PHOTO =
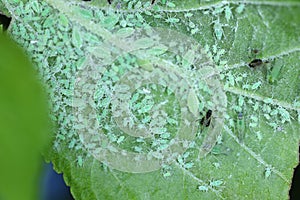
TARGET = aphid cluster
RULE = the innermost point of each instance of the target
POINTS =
(110, 1)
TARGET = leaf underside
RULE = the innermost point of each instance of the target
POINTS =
(61, 37)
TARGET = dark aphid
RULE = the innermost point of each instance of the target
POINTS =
(255, 51)
(255, 63)
(109, 1)
(152, 1)
(240, 116)
(205, 121)
(5, 21)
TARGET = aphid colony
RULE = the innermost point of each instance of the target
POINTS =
(152, 1)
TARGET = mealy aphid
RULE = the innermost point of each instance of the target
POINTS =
(220, 150)
(256, 85)
(203, 188)
(228, 13)
(172, 20)
(218, 29)
(267, 172)
(216, 183)
(240, 8)
(170, 4)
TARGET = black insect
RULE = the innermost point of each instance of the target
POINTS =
(255, 63)
(5, 21)
(153, 1)
(205, 121)
(255, 51)
(109, 1)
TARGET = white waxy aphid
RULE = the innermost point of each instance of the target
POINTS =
(188, 58)
(216, 183)
(254, 118)
(231, 79)
(268, 172)
(268, 100)
(284, 114)
(110, 21)
(259, 135)
(267, 116)
(188, 165)
(35, 6)
(157, 50)
(139, 17)
(162, 147)
(241, 101)
(218, 29)
(80, 161)
(253, 124)
(256, 85)
(166, 174)
(72, 143)
(120, 139)
(218, 9)
(170, 4)
(187, 15)
(203, 188)
(228, 13)
(143, 43)
(77, 40)
(240, 8)
(180, 160)
(186, 154)
(256, 106)
(193, 102)
(137, 149)
(217, 165)
(138, 5)
(157, 16)
(172, 20)
(85, 13)
(274, 112)
(124, 32)
(194, 30)
(192, 24)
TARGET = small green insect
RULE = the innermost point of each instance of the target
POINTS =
(167, 174)
(170, 4)
(203, 188)
(218, 29)
(172, 20)
(120, 139)
(228, 13)
(240, 125)
(240, 8)
(274, 71)
(220, 150)
(268, 172)
(80, 161)
(256, 85)
(216, 183)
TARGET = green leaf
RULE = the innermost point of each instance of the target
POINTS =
(24, 124)
(249, 145)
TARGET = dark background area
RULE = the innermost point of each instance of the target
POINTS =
(54, 187)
